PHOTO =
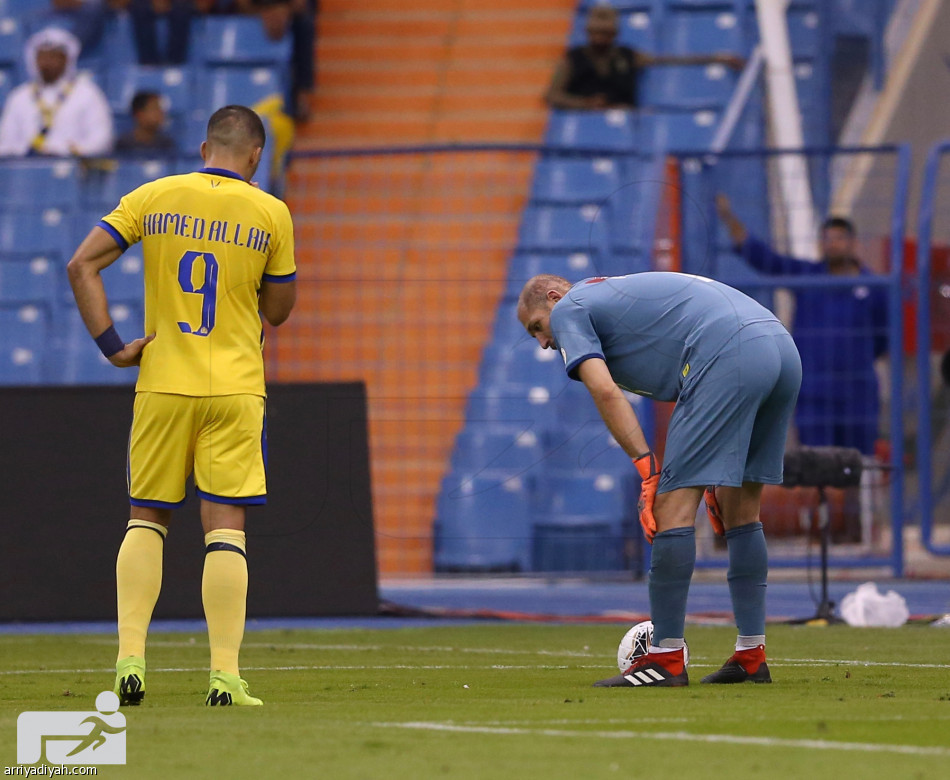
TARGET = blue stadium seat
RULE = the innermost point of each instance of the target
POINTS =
(104, 188)
(566, 543)
(30, 280)
(240, 40)
(687, 86)
(42, 183)
(11, 38)
(523, 363)
(529, 406)
(592, 495)
(118, 49)
(35, 231)
(573, 266)
(566, 180)
(174, 83)
(482, 524)
(75, 358)
(688, 30)
(614, 130)
(562, 228)
(804, 31)
(481, 449)
(24, 334)
(578, 447)
(219, 87)
(682, 130)
(633, 213)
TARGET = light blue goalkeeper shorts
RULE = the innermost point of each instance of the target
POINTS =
(731, 419)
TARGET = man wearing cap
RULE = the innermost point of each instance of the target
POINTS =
(58, 112)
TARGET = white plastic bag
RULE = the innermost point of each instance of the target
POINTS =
(867, 606)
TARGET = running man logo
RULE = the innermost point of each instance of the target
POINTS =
(73, 737)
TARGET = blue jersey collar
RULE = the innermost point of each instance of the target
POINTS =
(222, 172)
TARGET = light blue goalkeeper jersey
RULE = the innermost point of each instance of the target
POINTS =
(656, 331)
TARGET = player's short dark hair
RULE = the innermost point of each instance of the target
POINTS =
(141, 99)
(839, 222)
(236, 126)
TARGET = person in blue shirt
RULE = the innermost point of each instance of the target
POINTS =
(840, 332)
(734, 373)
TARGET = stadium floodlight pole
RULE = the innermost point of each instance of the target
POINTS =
(786, 127)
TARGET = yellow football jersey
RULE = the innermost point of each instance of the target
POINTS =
(208, 239)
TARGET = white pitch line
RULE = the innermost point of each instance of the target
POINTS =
(852, 662)
(308, 667)
(680, 736)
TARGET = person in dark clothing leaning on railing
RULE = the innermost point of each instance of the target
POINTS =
(603, 75)
(840, 332)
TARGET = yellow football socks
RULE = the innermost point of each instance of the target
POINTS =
(138, 574)
(224, 595)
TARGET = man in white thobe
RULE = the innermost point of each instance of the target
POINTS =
(58, 112)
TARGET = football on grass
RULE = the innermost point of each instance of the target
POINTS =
(635, 642)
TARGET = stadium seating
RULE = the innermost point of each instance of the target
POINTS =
(525, 362)
(691, 87)
(7, 81)
(575, 544)
(491, 448)
(31, 230)
(564, 228)
(24, 334)
(682, 130)
(54, 183)
(689, 29)
(482, 524)
(561, 180)
(106, 186)
(614, 130)
(573, 266)
(11, 39)
(174, 83)
(240, 40)
(513, 403)
(74, 357)
(27, 280)
(225, 86)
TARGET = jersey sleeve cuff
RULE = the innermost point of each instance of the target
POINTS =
(572, 367)
(280, 278)
(123, 244)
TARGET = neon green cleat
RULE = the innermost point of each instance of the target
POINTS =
(130, 680)
(229, 690)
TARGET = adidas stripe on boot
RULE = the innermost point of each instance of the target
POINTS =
(653, 670)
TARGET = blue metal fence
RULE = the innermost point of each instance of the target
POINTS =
(931, 230)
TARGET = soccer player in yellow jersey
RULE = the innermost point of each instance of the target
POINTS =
(218, 254)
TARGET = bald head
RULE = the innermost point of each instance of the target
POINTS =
(534, 295)
(236, 129)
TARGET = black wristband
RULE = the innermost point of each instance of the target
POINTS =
(109, 342)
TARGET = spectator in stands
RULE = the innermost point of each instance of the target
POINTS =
(840, 332)
(57, 112)
(145, 14)
(603, 75)
(299, 18)
(147, 137)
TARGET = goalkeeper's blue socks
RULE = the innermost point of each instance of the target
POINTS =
(671, 569)
(748, 572)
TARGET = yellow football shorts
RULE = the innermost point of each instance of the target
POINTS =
(221, 439)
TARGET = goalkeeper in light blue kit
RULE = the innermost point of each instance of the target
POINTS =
(734, 373)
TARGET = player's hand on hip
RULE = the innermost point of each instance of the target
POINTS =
(649, 470)
(131, 354)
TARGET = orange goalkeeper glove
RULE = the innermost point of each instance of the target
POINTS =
(649, 471)
(712, 509)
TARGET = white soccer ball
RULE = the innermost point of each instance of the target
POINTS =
(635, 642)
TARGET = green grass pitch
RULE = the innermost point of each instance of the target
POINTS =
(506, 701)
